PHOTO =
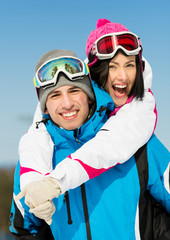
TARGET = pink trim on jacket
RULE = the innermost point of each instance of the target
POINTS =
(117, 108)
(155, 111)
(24, 170)
(92, 172)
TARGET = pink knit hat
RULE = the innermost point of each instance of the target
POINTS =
(103, 26)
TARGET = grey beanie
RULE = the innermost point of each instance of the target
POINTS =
(83, 83)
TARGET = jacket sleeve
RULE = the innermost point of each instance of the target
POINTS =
(115, 143)
(121, 136)
(159, 172)
(35, 152)
(23, 224)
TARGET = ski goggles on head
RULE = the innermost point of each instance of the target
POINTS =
(47, 74)
(106, 46)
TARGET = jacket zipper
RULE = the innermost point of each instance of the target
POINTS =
(75, 135)
(66, 199)
(66, 195)
(84, 200)
(86, 214)
(85, 209)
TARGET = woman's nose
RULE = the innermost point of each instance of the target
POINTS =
(122, 74)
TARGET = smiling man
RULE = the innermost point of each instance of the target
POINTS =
(68, 106)
(66, 96)
(72, 116)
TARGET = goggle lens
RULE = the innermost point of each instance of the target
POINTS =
(69, 65)
(108, 44)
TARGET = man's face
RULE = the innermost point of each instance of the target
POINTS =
(68, 106)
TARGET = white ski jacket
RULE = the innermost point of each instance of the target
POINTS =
(120, 137)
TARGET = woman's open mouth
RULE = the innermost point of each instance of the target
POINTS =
(119, 90)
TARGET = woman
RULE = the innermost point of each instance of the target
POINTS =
(123, 137)
(122, 181)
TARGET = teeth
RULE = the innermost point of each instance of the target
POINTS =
(70, 114)
(120, 86)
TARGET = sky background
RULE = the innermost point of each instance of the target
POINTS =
(29, 28)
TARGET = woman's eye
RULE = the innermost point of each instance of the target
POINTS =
(111, 66)
(130, 65)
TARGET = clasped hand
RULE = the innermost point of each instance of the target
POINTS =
(38, 196)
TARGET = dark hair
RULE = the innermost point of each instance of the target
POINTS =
(99, 73)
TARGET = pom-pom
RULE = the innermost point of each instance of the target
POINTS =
(101, 22)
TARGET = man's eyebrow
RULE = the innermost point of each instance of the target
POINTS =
(74, 88)
(54, 92)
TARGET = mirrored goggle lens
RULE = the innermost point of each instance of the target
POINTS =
(68, 65)
(108, 44)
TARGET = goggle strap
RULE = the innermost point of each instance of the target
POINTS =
(94, 61)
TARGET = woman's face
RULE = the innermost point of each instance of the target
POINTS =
(121, 78)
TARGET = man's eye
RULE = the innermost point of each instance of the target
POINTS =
(55, 95)
(75, 90)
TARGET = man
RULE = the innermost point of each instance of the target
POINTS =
(72, 117)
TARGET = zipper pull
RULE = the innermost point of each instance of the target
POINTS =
(75, 136)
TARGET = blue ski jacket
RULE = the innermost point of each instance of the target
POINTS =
(106, 207)
(22, 222)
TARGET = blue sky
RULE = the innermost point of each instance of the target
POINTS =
(29, 28)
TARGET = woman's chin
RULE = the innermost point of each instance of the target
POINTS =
(119, 101)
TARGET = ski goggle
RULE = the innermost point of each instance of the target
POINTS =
(106, 46)
(47, 74)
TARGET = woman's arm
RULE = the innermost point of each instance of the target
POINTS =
(22, 223)
(116, 142)
(121, 136)
(35, 152)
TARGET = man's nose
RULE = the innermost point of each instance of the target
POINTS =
(67, 102)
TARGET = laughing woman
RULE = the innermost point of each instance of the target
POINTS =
(116, 65)
(124, 133)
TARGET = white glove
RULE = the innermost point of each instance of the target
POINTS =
(38, 192)
(44, 211)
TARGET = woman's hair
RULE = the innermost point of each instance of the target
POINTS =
(100, 70)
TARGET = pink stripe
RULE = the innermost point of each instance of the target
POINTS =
(92, 172)
(155, 111)
(47, 174)
(26, 170)
(117, 108)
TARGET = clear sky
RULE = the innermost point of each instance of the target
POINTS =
(29, 28)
